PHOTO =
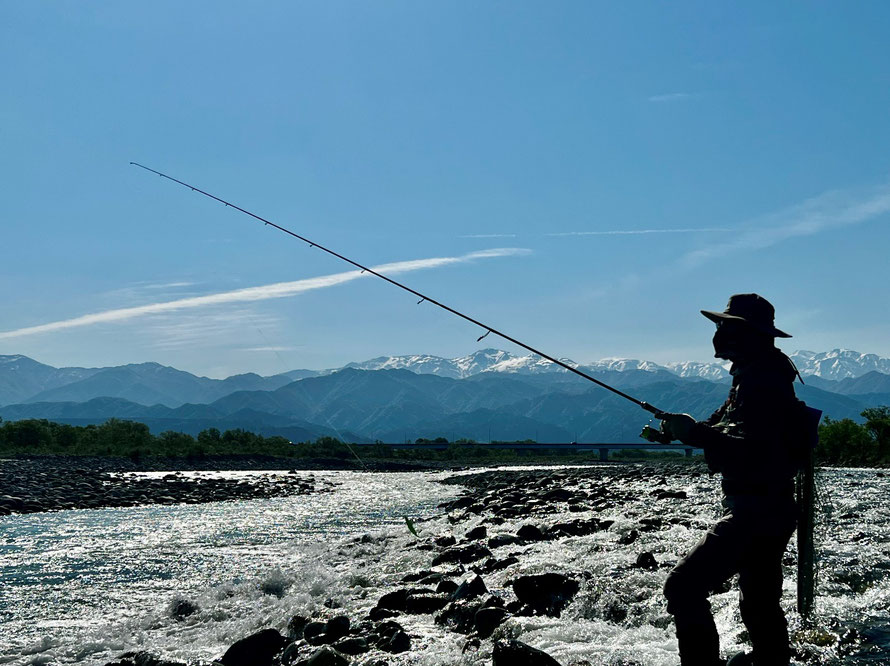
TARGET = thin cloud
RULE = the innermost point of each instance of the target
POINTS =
(635, 232)
(268, 349)
(839, 208)
(264, 292)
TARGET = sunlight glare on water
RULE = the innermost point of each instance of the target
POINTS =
(85, 586)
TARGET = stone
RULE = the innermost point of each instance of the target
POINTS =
(529, 532)
(462, 554)
(445, 541)
(378, 614)
(489, 619)
(295, 627)
(503, 540)
(398, 642)
(422, 603)
(336, 628)
(479, 532)
(646, 560)
(516, 653)
(468, 589)
(352, 645)
(258, 649)
(182, 608)
(314, 633)
(446, 587)
(546, 593)
(327, 656)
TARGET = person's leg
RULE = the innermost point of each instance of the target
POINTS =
(688, 585)
(760, 585)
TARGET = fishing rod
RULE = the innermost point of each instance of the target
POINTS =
(648, 432)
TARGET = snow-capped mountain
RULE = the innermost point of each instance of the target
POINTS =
(835, 365)
(696, 369)
(839, 363)
(494, 360)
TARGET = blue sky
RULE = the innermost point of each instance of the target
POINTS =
(588, 176)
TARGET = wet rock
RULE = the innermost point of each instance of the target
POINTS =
(394, 600)
(503, 540)
(182, 608)
(646, 560)
(426, 602)
(336, 628)
(392, 638)
(629, 538)
(291, 654)
(445, 541)
(378, 614)
(257, 649)
(579, 527)
(492, 564)
(462, 554)
(327, 656)
(479, 532)
(558, 495)
(142, 658)
(469, 589)
(515, 653)
(314, 633)
(459, 616)
(295, 627)
(488, 619)
(352, 645)
(546, 593)
(530, 532)
(446, 587)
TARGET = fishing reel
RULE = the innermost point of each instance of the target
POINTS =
(656, 435)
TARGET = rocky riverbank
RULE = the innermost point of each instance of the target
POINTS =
(472, 586)
(34, 485)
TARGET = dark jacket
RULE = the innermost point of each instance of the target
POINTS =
(753, 438)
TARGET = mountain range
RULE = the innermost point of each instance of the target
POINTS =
(490, 394)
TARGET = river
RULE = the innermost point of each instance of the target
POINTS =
(84, 586)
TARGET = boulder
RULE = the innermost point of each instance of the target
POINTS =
(646, 560)
(529, 532)
(426, 602)
(352, 645)
(489, 619)
(327, 656)
(258, 649)
(547, 593)
(515, 653)
(479, 532)
(503, 540)
(462, 554)
(295, 627)
(468, 589)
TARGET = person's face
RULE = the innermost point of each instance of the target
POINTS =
(736, 341)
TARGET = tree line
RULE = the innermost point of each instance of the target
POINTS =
(841, 442)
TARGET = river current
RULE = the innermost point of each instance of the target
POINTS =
(84, 586)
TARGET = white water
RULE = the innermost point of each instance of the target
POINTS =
(85, 586)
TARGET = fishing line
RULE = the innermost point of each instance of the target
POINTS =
(485, 327)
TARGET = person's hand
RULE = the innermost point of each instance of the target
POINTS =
(678, 426)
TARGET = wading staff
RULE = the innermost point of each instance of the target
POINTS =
(649, 433)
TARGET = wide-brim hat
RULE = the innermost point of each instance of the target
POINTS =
(752, 309)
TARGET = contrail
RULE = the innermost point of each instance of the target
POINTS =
(261, 293)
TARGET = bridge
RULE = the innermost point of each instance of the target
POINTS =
(602, 447)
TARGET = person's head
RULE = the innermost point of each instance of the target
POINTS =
(745, 329)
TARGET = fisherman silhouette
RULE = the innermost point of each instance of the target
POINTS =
(751, 440)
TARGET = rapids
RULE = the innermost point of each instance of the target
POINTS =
(83, 586)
